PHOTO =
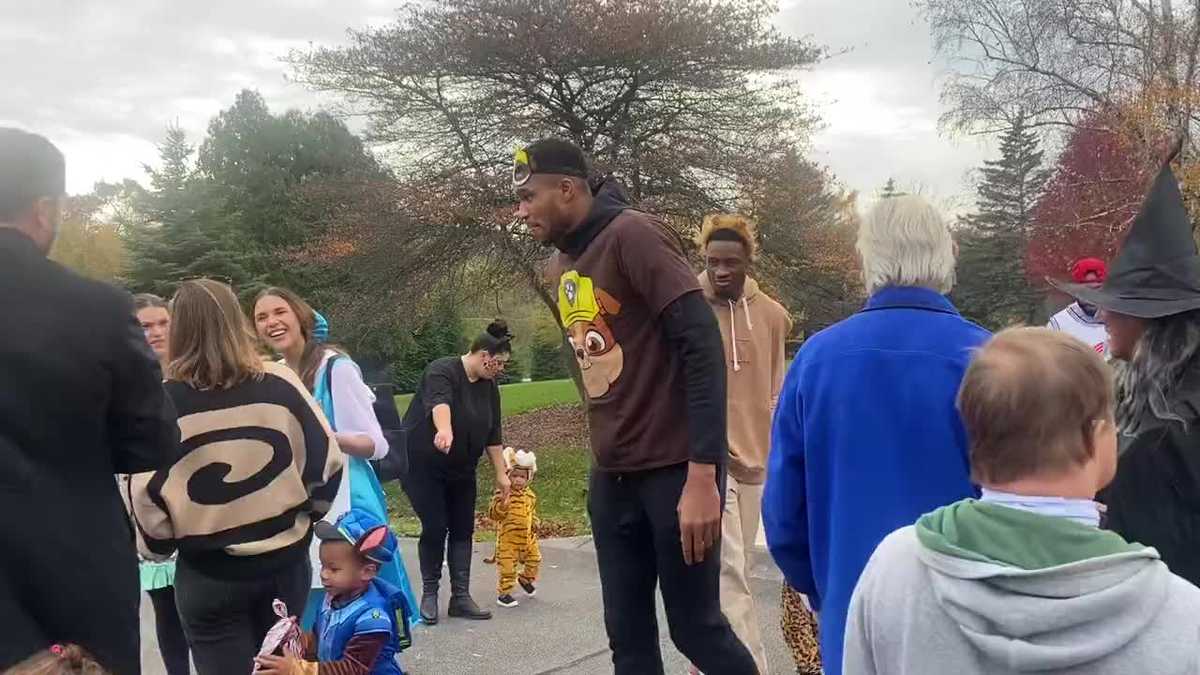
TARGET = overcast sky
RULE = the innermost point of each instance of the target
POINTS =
(104, 79)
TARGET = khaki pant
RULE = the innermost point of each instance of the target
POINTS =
(739, 529)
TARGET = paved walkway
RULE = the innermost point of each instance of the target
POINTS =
(559, 631)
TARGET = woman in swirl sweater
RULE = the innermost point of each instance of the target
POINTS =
(256, 466)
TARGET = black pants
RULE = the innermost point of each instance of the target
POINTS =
(446, 508)
(636, 531)
(225, 621)
(82, 591)
(172, 643)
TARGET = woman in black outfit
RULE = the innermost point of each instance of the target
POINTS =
(1151, 303)
(453, 418)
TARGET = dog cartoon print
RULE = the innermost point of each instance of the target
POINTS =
(585, 311)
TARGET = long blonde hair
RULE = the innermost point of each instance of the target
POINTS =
(212, 345)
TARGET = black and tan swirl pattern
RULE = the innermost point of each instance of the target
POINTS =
(256, 465)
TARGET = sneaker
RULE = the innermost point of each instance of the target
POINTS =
(528, 587)
(506, 600)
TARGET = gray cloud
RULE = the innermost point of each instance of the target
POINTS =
(878, 97)
(103, 80)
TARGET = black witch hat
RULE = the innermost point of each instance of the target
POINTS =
(1157, 271)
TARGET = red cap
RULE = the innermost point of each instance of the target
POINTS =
(1082, 268)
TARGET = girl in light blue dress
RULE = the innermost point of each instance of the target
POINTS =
(158, 578)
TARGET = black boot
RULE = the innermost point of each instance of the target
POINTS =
(429, 603)
(461, 604)
(431, 576)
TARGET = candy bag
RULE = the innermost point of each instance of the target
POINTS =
(284, 635)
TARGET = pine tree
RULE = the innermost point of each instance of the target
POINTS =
(994, 288)
(183, 230)
(890, 190)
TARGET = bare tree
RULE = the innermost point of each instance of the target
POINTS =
(679, 98)
(1060, 60)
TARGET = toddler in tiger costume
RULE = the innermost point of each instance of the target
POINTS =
(516, 543)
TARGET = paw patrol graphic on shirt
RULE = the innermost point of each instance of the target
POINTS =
(584, 309)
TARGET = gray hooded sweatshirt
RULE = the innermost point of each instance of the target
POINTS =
(981, 588)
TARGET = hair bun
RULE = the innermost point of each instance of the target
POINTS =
(499, 330)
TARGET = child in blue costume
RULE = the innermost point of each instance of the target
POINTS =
(363, 621)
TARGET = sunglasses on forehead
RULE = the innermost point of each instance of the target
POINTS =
(521, 171)
(524, 167)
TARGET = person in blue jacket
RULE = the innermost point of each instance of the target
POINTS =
(361, 625)
(866, 437)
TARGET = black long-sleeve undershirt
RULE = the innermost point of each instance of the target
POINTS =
(692, 329)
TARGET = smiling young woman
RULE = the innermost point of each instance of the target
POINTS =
(289, 326)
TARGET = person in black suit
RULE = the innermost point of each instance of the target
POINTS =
(81, 399)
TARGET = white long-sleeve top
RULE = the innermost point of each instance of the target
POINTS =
(353, 414)
(352, 403)
(1077, 323)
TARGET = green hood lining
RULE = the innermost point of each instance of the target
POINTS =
(990, 533)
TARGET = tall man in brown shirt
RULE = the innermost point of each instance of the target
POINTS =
(650, 352)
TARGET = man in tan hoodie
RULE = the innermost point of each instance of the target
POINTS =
(753, 328)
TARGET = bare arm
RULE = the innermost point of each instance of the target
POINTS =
(444, 437)
(503, 484)
(358, 445)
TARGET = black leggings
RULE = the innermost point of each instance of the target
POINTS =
(171, 641)
(446, 507)
(225, 621)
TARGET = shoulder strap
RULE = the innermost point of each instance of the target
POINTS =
(329, 373)
(323, 390)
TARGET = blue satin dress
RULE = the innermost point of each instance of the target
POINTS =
(365, 493)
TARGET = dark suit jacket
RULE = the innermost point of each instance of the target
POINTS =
(81, 399)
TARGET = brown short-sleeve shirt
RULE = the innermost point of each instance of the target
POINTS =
(610, 299)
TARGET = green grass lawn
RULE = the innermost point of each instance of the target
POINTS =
(560, 485)
(561, 482)
(523, 396)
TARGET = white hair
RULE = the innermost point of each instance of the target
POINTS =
(904, 241)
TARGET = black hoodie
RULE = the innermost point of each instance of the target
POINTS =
(609, 199)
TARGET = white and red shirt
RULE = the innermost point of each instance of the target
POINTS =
(1078, 323)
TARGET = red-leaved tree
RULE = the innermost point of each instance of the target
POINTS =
(1090, 200)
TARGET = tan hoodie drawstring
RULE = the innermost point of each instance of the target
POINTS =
(737, 365)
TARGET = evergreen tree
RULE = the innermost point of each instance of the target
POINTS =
(994, 288)
(236, 206)
(182, 230)
(890, 190)
(258, 160)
